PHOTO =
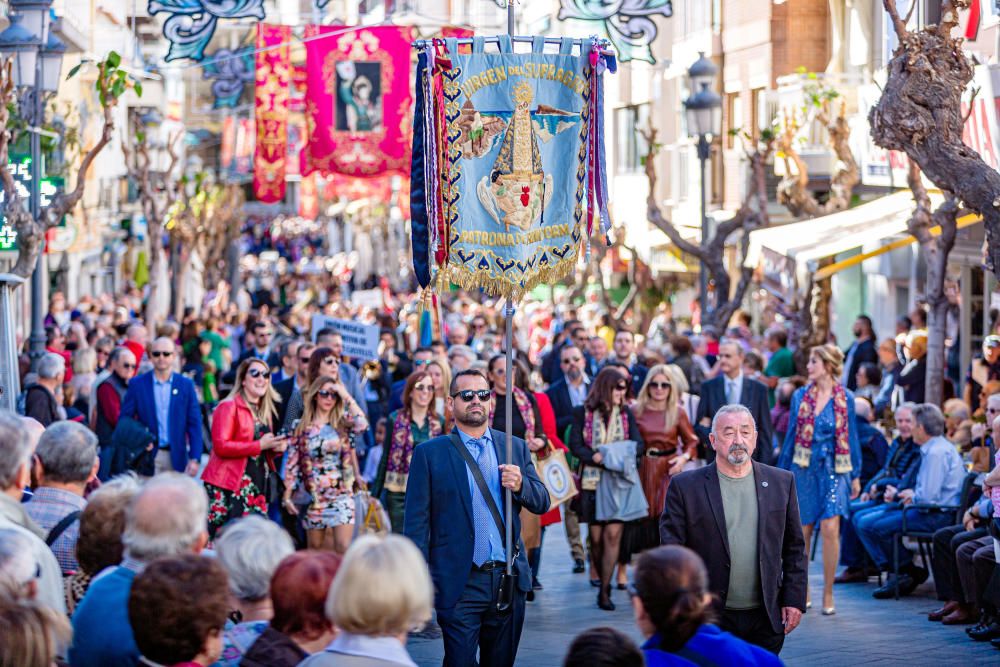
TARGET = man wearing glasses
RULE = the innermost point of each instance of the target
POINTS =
(166, 403)
(110, 393)
(452, 522)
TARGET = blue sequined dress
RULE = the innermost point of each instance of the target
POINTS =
(823, 493)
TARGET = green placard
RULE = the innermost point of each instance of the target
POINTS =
(20, 167)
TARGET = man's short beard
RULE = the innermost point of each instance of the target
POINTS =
(738, 455)
(468, 419)
(574, 373)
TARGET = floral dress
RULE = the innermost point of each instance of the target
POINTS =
(322, 463)
(225, 505)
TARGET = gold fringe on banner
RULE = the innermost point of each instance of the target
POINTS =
(502, 287)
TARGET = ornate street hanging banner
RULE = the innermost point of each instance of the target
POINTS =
(520, 160)
(191, 23)
(272, 111)
(358, 104)
(230, 72)
(627, 23)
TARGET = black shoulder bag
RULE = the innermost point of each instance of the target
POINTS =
(61, 527)
(505, 593)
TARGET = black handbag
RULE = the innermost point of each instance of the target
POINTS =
(505, 590)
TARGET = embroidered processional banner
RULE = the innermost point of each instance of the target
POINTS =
(517, 163)
(273, 68)
(358, 105)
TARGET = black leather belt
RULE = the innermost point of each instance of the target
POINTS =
(490, 565)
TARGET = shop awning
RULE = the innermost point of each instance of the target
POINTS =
(832, 234)
(828, 271)
(789, 253)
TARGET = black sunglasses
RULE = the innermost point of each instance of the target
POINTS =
(156, 354)
(330, 360)
(326, 393)
(257, 373)
(621, 386)
(571, 360)
(467, 395)
(127, 366)
(660, 385)
(303, 360)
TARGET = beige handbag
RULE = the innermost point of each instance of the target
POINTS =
(557, 477)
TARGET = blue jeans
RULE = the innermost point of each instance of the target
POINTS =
(877, 531)
(852, 552)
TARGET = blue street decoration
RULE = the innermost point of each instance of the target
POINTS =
(627, 23)
(321, 4)
(515, 137)
(191, 23)
(231, 71)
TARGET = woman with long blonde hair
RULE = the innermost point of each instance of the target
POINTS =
(323, 463)
(440, 374)
(244, 450)
(670, 443)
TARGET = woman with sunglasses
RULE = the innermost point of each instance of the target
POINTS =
(602, 419)
(417, 422)
(244, 450)
(670, 444)
(322, 461)
(322, 362)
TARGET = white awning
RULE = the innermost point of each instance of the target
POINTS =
(796, 247)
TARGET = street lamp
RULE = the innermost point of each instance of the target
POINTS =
(37, 67)
(21, 44)
(703, 111)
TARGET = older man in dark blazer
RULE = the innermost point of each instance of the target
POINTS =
(458, 527)
(733, 386)
(742, 518)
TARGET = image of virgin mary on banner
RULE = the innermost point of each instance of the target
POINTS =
(358, 101)
(517, 152)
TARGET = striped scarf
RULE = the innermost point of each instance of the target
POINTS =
(806, 428)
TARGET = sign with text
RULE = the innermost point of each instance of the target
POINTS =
(360, 340)
(20, 169)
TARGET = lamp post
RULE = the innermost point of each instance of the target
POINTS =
(703, 111)
(38, 56)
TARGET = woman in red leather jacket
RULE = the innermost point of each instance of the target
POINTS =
(244, 451)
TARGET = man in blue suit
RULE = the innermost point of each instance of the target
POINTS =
(166, 403)
(451, 521)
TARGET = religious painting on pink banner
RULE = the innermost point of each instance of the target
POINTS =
(359, 105)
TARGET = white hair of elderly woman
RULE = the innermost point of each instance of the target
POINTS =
(18, 567)
(16, 448)
(250, 549)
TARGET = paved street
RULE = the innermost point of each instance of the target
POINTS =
(864, 631)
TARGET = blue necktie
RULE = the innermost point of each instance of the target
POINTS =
(480, 511)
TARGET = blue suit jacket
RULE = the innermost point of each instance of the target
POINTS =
(185, 415)
(438, 512)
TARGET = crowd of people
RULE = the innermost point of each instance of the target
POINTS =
(214, 491)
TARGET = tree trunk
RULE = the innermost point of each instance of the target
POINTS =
(813, 321)
(936, 250)
(156, 285)
(920, 113)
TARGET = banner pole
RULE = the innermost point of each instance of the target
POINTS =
(509, 405)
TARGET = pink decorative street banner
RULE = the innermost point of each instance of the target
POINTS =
(273, 74)
(359, 105)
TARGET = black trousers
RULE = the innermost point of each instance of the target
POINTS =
(473, 623)
(754, 626)
(944, 563)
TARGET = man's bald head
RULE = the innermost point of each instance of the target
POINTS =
(166, 518)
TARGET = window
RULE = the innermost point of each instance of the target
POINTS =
(631, 147)
(683, 174)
